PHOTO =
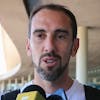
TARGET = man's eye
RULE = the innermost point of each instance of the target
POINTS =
(40, 36)
(62, 37)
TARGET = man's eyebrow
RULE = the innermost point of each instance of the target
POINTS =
(62, 30)
(38, 30)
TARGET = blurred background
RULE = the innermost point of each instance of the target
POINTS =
(16, 67)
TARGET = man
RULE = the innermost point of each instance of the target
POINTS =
(52, 40)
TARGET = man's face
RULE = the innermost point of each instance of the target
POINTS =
(51, 43)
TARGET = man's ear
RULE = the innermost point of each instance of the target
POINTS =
(28, 47)
(75, 47)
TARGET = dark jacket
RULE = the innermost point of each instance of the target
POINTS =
(90, 94)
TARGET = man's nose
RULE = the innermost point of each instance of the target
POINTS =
(49, 45)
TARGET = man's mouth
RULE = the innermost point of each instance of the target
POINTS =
(50, 61)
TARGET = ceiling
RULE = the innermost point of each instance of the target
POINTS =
(14, 19)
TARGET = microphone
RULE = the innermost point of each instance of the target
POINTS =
(32, 92)
(58, 95)
(54, 97)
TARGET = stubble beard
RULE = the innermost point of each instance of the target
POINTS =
(54, 74)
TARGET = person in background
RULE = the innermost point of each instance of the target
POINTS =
(52, 41)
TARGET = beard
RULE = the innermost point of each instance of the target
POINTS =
(55, 73)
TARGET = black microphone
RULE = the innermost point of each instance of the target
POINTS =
(58, 95)
(54, 97)
(32, 92)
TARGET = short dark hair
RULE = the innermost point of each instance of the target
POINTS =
(55, 7)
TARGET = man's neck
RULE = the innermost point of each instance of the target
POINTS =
(64, 82)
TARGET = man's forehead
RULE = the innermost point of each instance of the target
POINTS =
(51, 20)
(46, 10)
(48, 15)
